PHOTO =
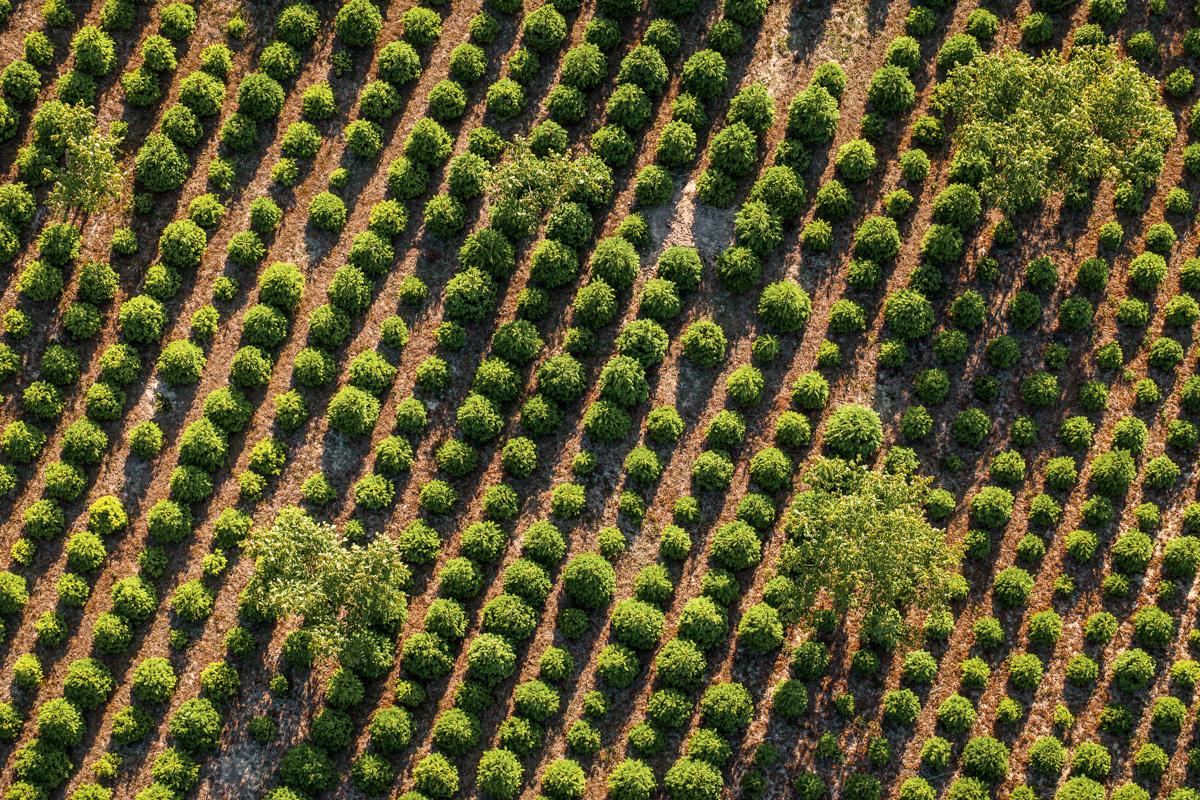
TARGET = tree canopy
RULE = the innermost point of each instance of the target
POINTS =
(343, 592)
(1045, 124)
(525, 184)
(90, 176)
(860, 539)
(525, 175)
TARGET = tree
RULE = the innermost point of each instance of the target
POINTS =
(90, 177)
(860, 539)
(524, 186)
(1047, 124)
(344, 593)
(530, 182)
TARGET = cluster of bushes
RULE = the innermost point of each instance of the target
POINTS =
(732, 153)
(43, 279)
(614, 264)
(162, 163)
(642, 78)
(261, 93)
(891, 91)
(725, 708)
(778, 196)
(308, 767)
(227, 410)
(194, 727)
(44, 398)
(486, 258)
(43, 764)
(203, 446)
(141, 320)
(17, 207)
(507, 622)
(705, 76)
(681, 663)
(623, 384)
(380, 100)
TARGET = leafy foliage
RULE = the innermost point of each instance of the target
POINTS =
(343, 592)
(860, 538)
(1045, 124)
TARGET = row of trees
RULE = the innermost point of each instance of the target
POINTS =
(858, 539)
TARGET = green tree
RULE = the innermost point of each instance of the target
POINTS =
(344, 593)
(1040, 125)
(90, 177)
(525, 185)
(860, 539)
(527, 178)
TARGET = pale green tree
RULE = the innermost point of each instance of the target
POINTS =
(345, 594)
(525, 185)
(1039, 125)
(859, 539)
(90, 176)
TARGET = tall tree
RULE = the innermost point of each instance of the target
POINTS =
(1035, 126)
(90, 176)
(344, 593)
(860, 539)
(525, 185)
